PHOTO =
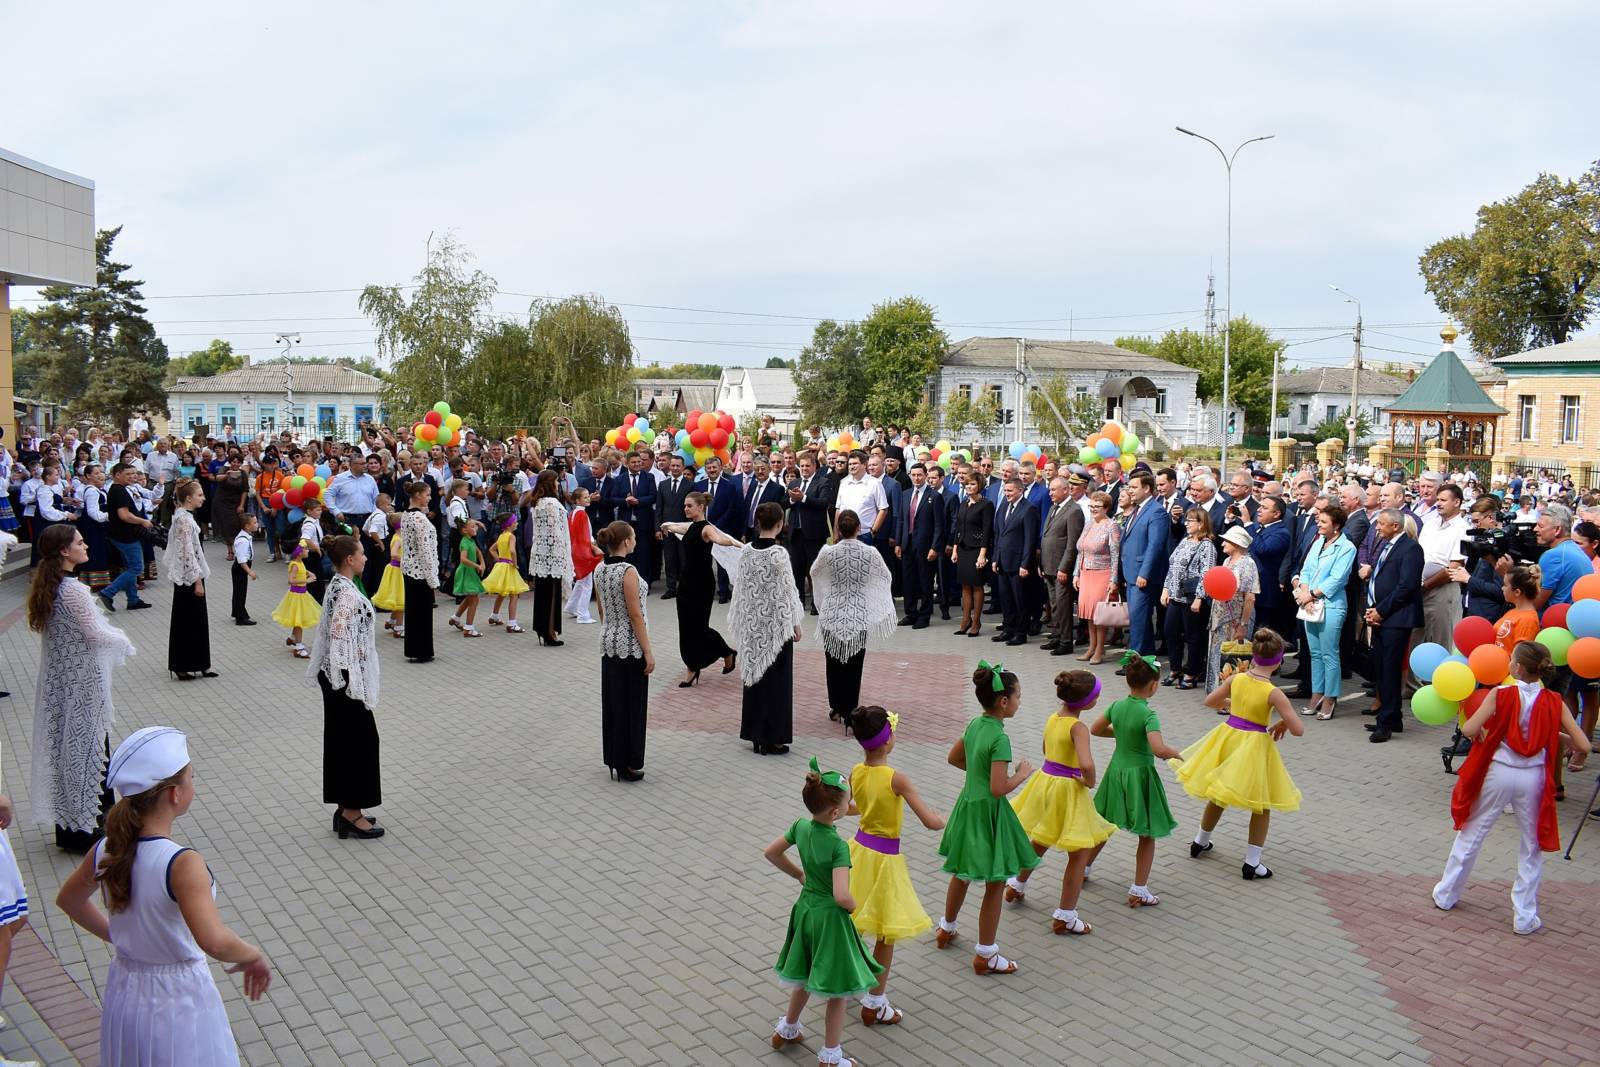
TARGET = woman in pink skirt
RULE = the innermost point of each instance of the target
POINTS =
(1096, 570)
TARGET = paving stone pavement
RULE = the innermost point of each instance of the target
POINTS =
(526, 909)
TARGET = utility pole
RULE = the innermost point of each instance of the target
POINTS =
(1352, 420)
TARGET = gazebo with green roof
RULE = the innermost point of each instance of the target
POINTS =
(1447, 409)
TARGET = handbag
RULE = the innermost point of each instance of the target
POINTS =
(1187, 588)
(1112, 613)
(1311, 612)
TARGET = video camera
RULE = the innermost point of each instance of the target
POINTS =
(503, 478)
(1513, 539)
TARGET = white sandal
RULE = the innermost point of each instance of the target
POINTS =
(470, 631)
(885, 1014)
(784, 1034)
(455, 620)
(513, 628)
(1015, 890)
(996, 964)
(301, 653)
(494, 620)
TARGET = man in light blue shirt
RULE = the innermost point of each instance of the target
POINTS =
(352, 495)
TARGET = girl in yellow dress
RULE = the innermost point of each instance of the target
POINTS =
(1237, 764)
(504, 581)
(886, 905)
(297, 610)
(391, 594)
(1056, 807)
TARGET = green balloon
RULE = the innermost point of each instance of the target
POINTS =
(442, 408)
(944, 462)
(1557, 639)
(648, 436)
(1130, 443)
(1432, 709)
(1087, 456)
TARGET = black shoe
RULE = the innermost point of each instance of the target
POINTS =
(140, 605)
(345, 828)
(944, 613)
(695, 678)
(1061, 651)
(723, 599)
(1171, 679)
(920, 624)
(1017, 639)
(991, 611)
(1122, 672)
(732, 663)
(905, 620)
(244, 622)
(1300, 694)
(1035, 629)
(1001, 636)
(670, 594)
(1188, 683)
(625, 775)
(111, 605)
(1251, 874)
(1379, 735)
(1048, 646)
(1195, 851)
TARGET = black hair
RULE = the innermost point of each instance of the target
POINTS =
(1073, 686)
(867, 721)
(983, 683)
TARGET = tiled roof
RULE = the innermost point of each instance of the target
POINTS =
(269, 378)
(1337, 380)
(1447, 388)
(1057, 356)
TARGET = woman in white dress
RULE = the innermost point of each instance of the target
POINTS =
(851, 587)
(344, 665)
(161, 1007)
(549, 556)
(189, 636)
(72, 695)
(765, 616)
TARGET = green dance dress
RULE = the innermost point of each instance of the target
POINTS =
(468, 581)
(1131, 793)
(984, 840)
(822, 951)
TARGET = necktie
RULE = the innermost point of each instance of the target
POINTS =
(915, 497)
(755, 501)
(1372, 586)
(799, 514)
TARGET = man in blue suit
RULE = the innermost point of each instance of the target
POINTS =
(631, 496)
(919, 542)
(1269, 543)
(760, 488)
(1037, 492)
(1015, 538)
(1145, 547)
(725, 492)
(994, 492)
(1394, 609)
(949, 497)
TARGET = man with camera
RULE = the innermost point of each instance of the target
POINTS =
(1489, 554)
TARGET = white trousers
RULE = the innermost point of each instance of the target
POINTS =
(578, 602)
(1522, 788)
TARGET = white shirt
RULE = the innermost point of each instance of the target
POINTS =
(864, 496)
(244, 547)
(377, 526)
(1441, 542)
(1528, 692)
(162, 466)
(311, 530)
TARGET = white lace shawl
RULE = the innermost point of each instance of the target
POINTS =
(344, 641)
(184, 562)
(419, 548)
(72, 712)
(765, 610)
(550, 544)
(851, 586)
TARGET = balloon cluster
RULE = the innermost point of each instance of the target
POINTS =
(1571, 634)
(704, 435)
(439, 427)
(635, 429)
(1026, 453)
(942, 455)
(1114, 441)
(843, 441)
(306, 484)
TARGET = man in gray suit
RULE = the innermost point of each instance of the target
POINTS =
(1058, 555)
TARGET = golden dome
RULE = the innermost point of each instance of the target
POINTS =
(1449, 333)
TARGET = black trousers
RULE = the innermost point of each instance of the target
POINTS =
(886, 551)
(844, 682)
(624, 708)
(1303, 659)
(916, 584)
(1389, 660)
(1034, 595)
(671, 560)
(547, 607)
(1352, 658)
(949, 583)
(241, 584)
(1186, 633)
(189, 636)
(419, 620)
(802, 554)
(349, 748)
(1013, 619)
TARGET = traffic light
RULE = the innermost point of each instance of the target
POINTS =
(1233, 423)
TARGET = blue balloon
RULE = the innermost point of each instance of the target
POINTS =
(1425, 659)
(1456, 657)
(1017, 449)
(683, 438)
(324, 471)
(1583, 618)
(1107, 449)
(295, 514)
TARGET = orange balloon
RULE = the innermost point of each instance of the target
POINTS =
(1112, 432)
(1489, 664)
(708, 422)
(1092, 440)
(1584, 657)
(306, 470)
(1586, 588)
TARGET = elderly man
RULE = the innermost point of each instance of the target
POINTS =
(1426, 504)
(1203, 491)
(760, 488)
(1357, 523)
(1440, 537)
(1242, 503)
(1058, 555)
(1394, 609)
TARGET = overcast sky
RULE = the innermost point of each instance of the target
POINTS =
(756, 166)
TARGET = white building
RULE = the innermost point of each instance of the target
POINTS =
(327, 400)
(1314, 396)
(743, 391)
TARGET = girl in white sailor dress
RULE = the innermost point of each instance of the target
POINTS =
(161, 1005)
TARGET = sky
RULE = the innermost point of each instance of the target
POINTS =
(729, 173)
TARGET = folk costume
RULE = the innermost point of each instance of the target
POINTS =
(852, 590)
(344, 665)
(764, 615)
(91, 522)
(419, 567)
(189, 636)
(549, 565)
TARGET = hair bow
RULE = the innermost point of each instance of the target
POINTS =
(894, 720)
(1129, 655)
(996, 670)
(829, 778)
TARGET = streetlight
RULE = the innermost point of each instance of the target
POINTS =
(1227, 326)
(288, 341)
(1355, 375)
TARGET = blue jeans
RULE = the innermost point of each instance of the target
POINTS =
(1140, 605)
(132, 555)
(1323, 637)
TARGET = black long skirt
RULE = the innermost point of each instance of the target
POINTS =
(349, 749)
(624, 707)
(844, 683)
(546, 606)
(767, 717)
(189, 637)
(419, 619)
(698, 644)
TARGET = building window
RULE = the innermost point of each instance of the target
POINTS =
(1525, 415)
(1569, 420)
(964, 390)
(1161, 401)
(267, 418)
(1081, 391)
(1305, 414)
(1333, 412)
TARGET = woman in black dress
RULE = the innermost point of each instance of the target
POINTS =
(344, 661)
(765, 617)
(625, 657)
(973, 537)
(698, 644)
(189, 637)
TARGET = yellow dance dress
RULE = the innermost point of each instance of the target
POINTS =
(297, 608)
(887, 907)
(1055, 807)
(391, 594)
(504, 580)
(1237, 765)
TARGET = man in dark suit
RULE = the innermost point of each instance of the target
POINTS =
(1241, 490)
(1144, 553)
(670, 495)
(1036, 591)
(760, 488)
(631, 494)
(1356, 526)
(1394, 609)
(1203, 490)
(1174, 505)
(1269, 543)
(1302, 523)
(725, 492)
(806, 498)
(919, 542)
(949, 498)
(1014, 533)
(1058, 555)
(887, 542)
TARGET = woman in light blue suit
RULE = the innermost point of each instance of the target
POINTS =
(1322, 581)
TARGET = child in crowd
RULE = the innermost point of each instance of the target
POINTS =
(244, 554)
(887, 907)
(1520, 587)
(311, 539)
(822, 953)
(297, 610)
(586, 556)
(504, 581)
(160, 1003)
(468, 579)
(1237, 764)
(1056, 807)
(1132, 795)
(374, 542)
(983, 841)
(13, 894)
(1516, 739)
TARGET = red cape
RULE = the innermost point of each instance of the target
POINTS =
(1505, 727)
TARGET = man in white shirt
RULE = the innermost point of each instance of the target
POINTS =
(161, 465)
(1440, 537)
(862, 494)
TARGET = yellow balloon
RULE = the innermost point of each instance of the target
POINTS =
(1126, 462)
(452, 421)
(703, 454)
(1454, 681)
(633, 435)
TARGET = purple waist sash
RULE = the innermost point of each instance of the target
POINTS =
(297, 589)
(394, 563)
(1245, 724)
(503, 559)
(889, 846)
(1060, 770)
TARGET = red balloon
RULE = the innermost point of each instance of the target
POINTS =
(1555, 615)
(693, 418)
(719, 438)
(310, 491)
(433, 418)
(1220, 583)
(1584, 657)
(293, 497)
(1586, 588)
(726, 422)
(699, 438)
(1471, 632)
(276, 500)
(631, 419)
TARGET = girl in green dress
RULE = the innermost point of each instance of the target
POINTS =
(1131, 794)
(822, 953)
(468, 580)
(984, 840)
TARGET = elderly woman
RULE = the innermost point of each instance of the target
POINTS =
(229, 496)
(1234, 618)
(1094, 575)
(1319, 589)
(1185, 602)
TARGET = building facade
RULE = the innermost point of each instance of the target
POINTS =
(1314, 396)
(743, 391)
(307, 399)
(1552, 397)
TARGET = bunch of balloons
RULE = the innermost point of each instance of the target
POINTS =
(439, 427)
(943, 455)
(307, 483)
(841, 442)
(1026, 453)
(635, 429)
(1114, 441)
(704, 435)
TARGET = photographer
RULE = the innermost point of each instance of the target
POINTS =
(1488, 560)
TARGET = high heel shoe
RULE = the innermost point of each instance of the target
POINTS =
(693, 679)
(345, 828)
(545, 639)
(733, 662)
(625, 775)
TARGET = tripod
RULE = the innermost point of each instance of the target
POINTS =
(1587, 810)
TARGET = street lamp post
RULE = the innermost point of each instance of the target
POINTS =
(1227, 325)
(1355, 376)
(288, 341)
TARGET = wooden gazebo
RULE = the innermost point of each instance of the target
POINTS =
(1445, 408)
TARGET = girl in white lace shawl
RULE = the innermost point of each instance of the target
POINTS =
(189, 636)
(549, 556)
(765, 616)
(851, 586)
(72, 712)
(344, 665)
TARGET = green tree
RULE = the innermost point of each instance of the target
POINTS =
(779, 363)
(1528, 275)
(429, 336)
(1335, 428)
(216, 358)
(92, 348)
(1084, 414)
(921, 420)
(1253, 351)
(830, 376)
(986, 415)
(957, 414)
(679, 370)
(902, 348)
